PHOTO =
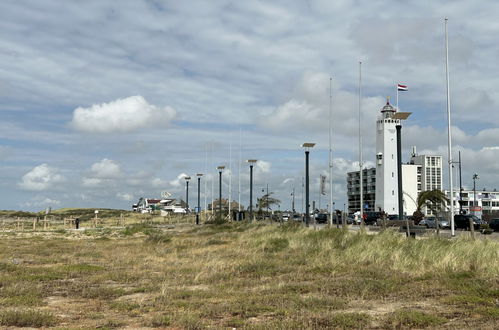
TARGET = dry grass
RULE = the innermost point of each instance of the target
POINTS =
(247, 276)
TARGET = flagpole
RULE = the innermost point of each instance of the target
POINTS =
(397, 97)
(230, 177)
(449, 136)
(330, 152)
(239, 170)
(360, 151)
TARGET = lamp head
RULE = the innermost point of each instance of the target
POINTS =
(308, 145)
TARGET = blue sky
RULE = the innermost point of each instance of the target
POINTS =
(103, 102)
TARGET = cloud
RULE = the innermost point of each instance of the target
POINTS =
(123, 115)
(124, 197)
(38, 201)
(91, 182)
(308, 108)
(263, 166)
(106, 169)
(42, 177)
(179, 180)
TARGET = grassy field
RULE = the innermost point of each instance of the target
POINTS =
(245, 276)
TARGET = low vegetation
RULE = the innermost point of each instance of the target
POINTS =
(250, 276)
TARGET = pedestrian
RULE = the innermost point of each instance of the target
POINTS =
(77, 223)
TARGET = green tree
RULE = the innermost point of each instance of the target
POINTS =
(435, 200)
(266, 201)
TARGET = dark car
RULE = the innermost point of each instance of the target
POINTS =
(463, 221)
(321, 218)
(494, 224)
(372, 217)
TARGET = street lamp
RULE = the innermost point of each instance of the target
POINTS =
(475, 177)
(400, 116)
(187, 178)
(251, 162)
(307, 147)
(220, 169)
(199, 175)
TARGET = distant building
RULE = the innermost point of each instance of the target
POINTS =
(148, 205)
(485, 203)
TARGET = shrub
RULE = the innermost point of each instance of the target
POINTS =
(276, 245)
(161, 321)
(411, 318)
(27, 318)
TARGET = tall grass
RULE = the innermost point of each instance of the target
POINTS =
(249, 276)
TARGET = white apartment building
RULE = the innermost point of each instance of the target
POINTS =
(485, 201)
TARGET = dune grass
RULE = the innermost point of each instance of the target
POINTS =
(249, 276)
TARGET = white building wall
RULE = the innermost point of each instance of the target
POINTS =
(386, 164)
(409, 187)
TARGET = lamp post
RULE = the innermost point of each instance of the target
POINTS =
(199, 175)
(187, 178)
(251, 162)
(307, 147)
(220, 169)
(400, 116)
(475, 177)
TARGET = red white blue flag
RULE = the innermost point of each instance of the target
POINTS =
(403, 88)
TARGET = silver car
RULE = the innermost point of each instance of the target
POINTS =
(432, 223)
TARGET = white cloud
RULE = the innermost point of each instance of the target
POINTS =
(122, 115)
(42, 177)
(124, 197)
(106, 169)
(91, 182)
(263, 166)
(157, 182)
(41, 201)
(179, 180)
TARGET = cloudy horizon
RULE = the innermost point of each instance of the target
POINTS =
(104, 103)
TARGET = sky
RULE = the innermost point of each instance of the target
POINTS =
(104, 102)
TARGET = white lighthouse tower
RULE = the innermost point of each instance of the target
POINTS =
(386, 161)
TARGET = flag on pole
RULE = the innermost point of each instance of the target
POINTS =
(323, 184)
(403, 88)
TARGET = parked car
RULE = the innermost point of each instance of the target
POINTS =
(321, 218)
(494, 224)
(463, 221)
(432, 223)
(297, 217)
(285, 216)
(372, 217)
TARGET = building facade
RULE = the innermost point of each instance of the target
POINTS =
(484, 203)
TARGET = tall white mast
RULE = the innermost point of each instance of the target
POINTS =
(330, 152)
(212, 180)
(360, 149)
(230, 176)
(206, 178)
(239, 170)
(449, 136)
